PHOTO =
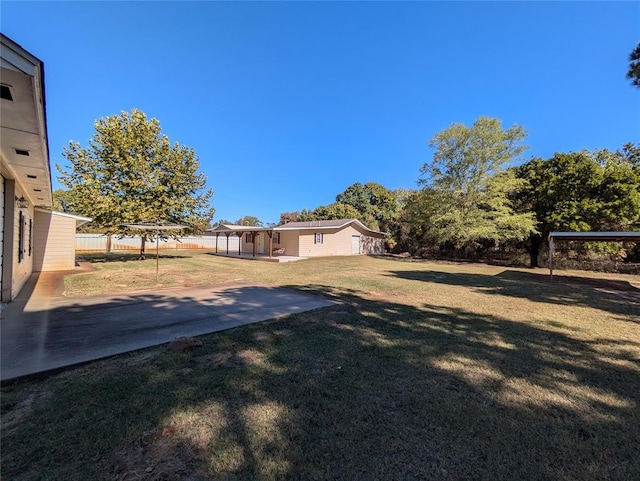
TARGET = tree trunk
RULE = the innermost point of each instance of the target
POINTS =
(142, 243)
(534, 251)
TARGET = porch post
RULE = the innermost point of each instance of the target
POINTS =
(239, 234)
(217, 234)
(227, 234)
(254, 234)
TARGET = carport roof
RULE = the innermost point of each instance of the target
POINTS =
(588, 237)
(596, 236)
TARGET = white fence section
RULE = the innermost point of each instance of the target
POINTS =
(100, 243)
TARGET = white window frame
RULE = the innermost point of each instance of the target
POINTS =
(318, 238)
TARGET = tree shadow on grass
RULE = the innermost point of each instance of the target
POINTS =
(102, 257)
(614, 296)
(366, 389)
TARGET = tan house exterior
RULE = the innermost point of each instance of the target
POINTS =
(24, 162)
(339, 237)
(54, 240)
(25, 174)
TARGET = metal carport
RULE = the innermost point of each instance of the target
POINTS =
(588, 237)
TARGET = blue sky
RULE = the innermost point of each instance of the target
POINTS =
(288, 103)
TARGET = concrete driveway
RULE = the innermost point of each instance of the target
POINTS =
(42, 330)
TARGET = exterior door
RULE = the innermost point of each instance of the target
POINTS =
(260, 246)
(355, 244)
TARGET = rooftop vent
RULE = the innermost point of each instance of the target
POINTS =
(22, 152)
(29, 176)
(37, 190)
(6, 92)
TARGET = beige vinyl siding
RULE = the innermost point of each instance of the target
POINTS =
(54, 246)
(247, 247)
(372, 245)
(337, 242)
(290, 241)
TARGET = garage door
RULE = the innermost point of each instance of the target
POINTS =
(355, 244)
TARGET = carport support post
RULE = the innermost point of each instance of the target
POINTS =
(270, 234)
(157, 253)
(552, 249)
(254, 235)
(227, 234)
(217, 234)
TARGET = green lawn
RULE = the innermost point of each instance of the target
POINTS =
(423, 371)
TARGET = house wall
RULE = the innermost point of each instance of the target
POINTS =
(372, 245)
(15, 272)
(337, 242)
(290, 241)
(247, 247)
(55, 236)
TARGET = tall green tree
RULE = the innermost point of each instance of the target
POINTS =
(377, 206)
(633, 73)
(130, 172)
(468, 185)
(249, 220)
(579, 191)
(630, 152)
(412, 230)
(336, 210)
(63, 200)
(286, 217)
(306, 215)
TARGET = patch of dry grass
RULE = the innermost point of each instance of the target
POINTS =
(423, 371)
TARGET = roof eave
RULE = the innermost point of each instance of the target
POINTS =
(80, 220)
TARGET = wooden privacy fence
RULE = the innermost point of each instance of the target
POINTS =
(102, 243)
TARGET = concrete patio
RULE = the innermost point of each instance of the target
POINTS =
(42, 330)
